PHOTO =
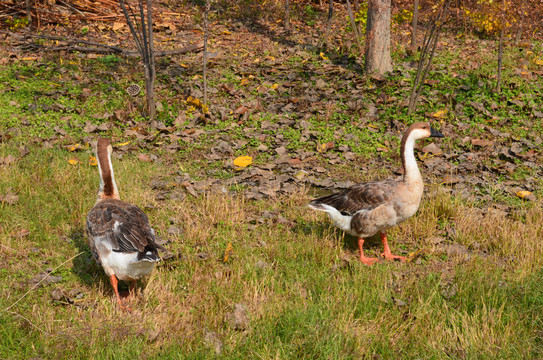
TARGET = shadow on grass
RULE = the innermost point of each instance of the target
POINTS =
(325, 228)
(85, 267)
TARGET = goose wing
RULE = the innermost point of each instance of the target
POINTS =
(364, 196)
(124, 226)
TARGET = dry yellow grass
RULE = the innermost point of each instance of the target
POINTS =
(305, 291)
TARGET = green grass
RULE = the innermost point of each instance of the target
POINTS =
(307, 295)
(312, 300)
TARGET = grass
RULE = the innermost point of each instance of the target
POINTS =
(473, 293)
(312, 299)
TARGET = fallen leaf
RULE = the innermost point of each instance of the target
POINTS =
(194, 102)
(451, 180)
(322, 148)
(416, 254)
(241, 110)
(92, 161)
(21, 233)
(9, 198)
(7, 160)
(440, 114)
(243, 161)
(122, 144)
(482, 143)
(228, 251)
(118, 25)
(432, 149)
(144, 158)
(525, 195)
(73, 161)
(72, 148)
(244, 82)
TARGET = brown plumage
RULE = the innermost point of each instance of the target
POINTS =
(368, 208)
(120, 236)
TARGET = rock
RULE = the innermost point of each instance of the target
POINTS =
(238, 319)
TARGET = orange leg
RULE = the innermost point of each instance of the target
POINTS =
(365, 260)
(387, 254)
(115, 283)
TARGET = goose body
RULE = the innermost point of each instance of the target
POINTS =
(120, 236)
(368, 208)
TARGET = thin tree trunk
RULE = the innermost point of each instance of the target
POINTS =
(152, 70)
(518, 35)
(500, 52)
(205, 52)
(329, 23)
(378, 58)
(414, 25)
(145, 45)
(287, 15)
(28, 14)
(430, 41)
(355, 27)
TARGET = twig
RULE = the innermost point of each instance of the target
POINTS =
(72, 46)
(355, 27)
(39, 282)
(329, 22)
(430, 41)
(28, 321)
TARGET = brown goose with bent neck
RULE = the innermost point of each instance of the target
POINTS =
(368, 208)
(120, 237)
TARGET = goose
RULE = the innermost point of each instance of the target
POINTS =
(119, 234)
(367, 208)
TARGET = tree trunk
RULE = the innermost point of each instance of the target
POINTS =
(500, 51)
(287, 15)
(150, 79)
(205, 51)
(329, 23)
(378, 58)
(414, 24)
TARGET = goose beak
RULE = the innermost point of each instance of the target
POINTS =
(435, 133)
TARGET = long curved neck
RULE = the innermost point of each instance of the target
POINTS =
(108, 187)
(411, 171)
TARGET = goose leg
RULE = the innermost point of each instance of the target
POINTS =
(115, 283)
(365, 260)
(387, 254)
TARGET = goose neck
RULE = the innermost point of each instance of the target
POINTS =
(108, 187)
(411, 172)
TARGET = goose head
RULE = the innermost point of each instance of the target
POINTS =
(422, 130)
(417, 131)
